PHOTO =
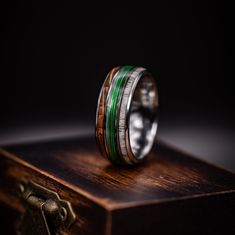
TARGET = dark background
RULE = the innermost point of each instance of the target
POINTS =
(54, 58)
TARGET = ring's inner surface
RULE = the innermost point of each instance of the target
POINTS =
(142, 120)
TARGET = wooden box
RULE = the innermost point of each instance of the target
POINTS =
(171, 193)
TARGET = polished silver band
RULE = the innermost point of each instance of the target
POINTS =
(126, 124)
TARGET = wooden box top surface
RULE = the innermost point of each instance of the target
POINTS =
(167, 175)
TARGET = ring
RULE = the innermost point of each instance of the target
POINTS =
(127, 115)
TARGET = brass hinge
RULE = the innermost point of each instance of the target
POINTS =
(45, 211)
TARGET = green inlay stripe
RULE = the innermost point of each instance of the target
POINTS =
(115, 93)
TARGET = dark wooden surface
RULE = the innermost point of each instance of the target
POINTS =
(169, 189)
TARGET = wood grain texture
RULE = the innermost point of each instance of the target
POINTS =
(170, 187)
(100, 123)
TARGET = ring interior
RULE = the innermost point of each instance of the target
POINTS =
(143, 117)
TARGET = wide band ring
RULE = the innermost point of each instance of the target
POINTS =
(126, 117)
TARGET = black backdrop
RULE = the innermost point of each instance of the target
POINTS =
(54, 58)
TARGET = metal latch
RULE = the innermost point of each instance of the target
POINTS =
(45, 212)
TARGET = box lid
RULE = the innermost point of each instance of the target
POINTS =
(76, 164)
